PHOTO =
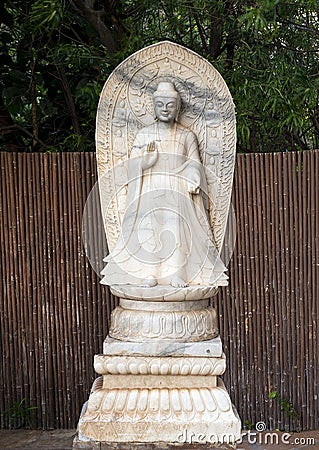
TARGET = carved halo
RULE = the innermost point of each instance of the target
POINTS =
(143, 110)
(126, 106)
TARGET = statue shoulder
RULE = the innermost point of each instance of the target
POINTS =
(149, 129)
(142, 138)
(188, 134)
(145, 133)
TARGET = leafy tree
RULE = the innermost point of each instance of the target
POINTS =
(57, 54)
(53, 68)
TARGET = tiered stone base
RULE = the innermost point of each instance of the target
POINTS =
(161, 389)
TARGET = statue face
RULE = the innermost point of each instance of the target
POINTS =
(165, 109)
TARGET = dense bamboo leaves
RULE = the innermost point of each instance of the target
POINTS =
(56, 55)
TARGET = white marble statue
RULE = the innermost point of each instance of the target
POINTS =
(166, 236)
(165, 153)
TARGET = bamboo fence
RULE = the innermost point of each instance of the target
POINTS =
(55, 314)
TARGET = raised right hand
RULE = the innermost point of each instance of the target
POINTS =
(150, 155)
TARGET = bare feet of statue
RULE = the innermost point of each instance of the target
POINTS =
(178, 282)
(149, 281)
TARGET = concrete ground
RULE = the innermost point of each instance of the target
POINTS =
(36, 439)
(62, 440)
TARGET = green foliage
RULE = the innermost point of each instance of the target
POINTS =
(286, 407)
(46, 14)
(19, 415)
(249, 425)
(57, 54)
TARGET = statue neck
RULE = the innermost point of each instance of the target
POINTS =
(165, 131)
(166, 125)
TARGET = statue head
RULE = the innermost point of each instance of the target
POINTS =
(167, 102)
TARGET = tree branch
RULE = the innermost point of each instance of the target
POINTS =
(95, 19)
(34, 105)
(10, 128)
(69, 99)
(315, 120)
(215, 36)
(201, 33)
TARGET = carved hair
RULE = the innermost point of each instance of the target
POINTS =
(167, 89)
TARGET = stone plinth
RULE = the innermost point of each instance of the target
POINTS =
(159, 381)
(144, 321)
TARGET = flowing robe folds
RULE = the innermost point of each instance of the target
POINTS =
(165, 230)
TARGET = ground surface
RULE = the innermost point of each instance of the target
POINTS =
(62, 440)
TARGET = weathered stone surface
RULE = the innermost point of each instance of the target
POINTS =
(174, 326)
(126, 106)
(164, 293)
(171, 414)
(166, 306)
(158, 381)
(213, 347)
(148, 365)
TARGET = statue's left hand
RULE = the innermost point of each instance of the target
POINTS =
(193, 185)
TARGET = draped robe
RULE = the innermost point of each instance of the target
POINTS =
(165, 230)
